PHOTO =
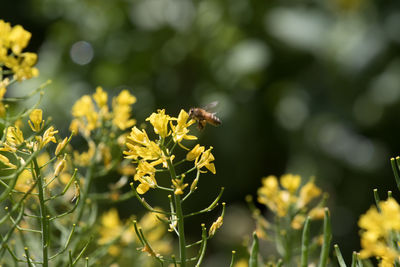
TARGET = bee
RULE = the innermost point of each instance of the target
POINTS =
(203, 116)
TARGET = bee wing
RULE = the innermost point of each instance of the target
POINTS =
(210, 106)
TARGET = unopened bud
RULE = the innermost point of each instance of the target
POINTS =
(60, 167)
(61, 146)
(194, 184)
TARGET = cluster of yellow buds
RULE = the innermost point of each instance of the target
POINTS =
(92, 112)
(15, 65)
(290, 196)
(379, 230)
(12, 41)
(87, 117)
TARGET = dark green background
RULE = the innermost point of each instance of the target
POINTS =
(307, 87)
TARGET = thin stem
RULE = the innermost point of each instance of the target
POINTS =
(305, 242)
(179, 215)
(203, 245)
(339, 256)
(43, 214)
(323, 260)
(253, 261)
(88, 182)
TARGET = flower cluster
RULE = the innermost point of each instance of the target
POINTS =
(92, 113)
(12, 41)
(16, 148)
(14, 64)
(380, 230)
(15, 140)
(149, 154)
(290, 196)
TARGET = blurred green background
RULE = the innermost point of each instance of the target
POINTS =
(307, 87)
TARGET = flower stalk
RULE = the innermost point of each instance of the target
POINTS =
(44, 222)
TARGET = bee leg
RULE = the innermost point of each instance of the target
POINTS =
(202, 124)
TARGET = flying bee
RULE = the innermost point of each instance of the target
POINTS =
(203, 116)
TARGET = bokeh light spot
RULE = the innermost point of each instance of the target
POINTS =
(81, 52)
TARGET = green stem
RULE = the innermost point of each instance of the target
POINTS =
(179, 215)
(43, 214)
(305, 243)
(88, 181)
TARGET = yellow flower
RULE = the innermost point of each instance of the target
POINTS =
(159, 121)
(122, 110)
(180, 131)
(18, 38)
(5, 29)
(139, 146)
(14, 136)
(145, 174)
(377, 229)
(179, 186)
(23, 68)
(275, 199)
(290, 182)
(138, 137)
(195, 153)
(48, 137)
(204, 160)
(6, 161)
(100, 97)
(36, 122)
(83, 109)
(307, 193)
(282, 203)
(298, 221)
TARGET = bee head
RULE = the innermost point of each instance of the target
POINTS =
(191, 111)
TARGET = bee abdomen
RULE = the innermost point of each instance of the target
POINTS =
(215, 120)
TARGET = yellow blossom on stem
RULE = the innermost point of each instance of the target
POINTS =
(138, 137)
(290, 182)
(36, 120)
(159, 121)
(205, 161)
(307, 193)
(100, 97)
(14, 136)
(122, 110)
(195, 153)
(83, 109)
(48, 137)
(18, 39)
(24, 68)
(180, 130)
(145, 174)
(377, 229)
(273, 197)
(179, 186)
